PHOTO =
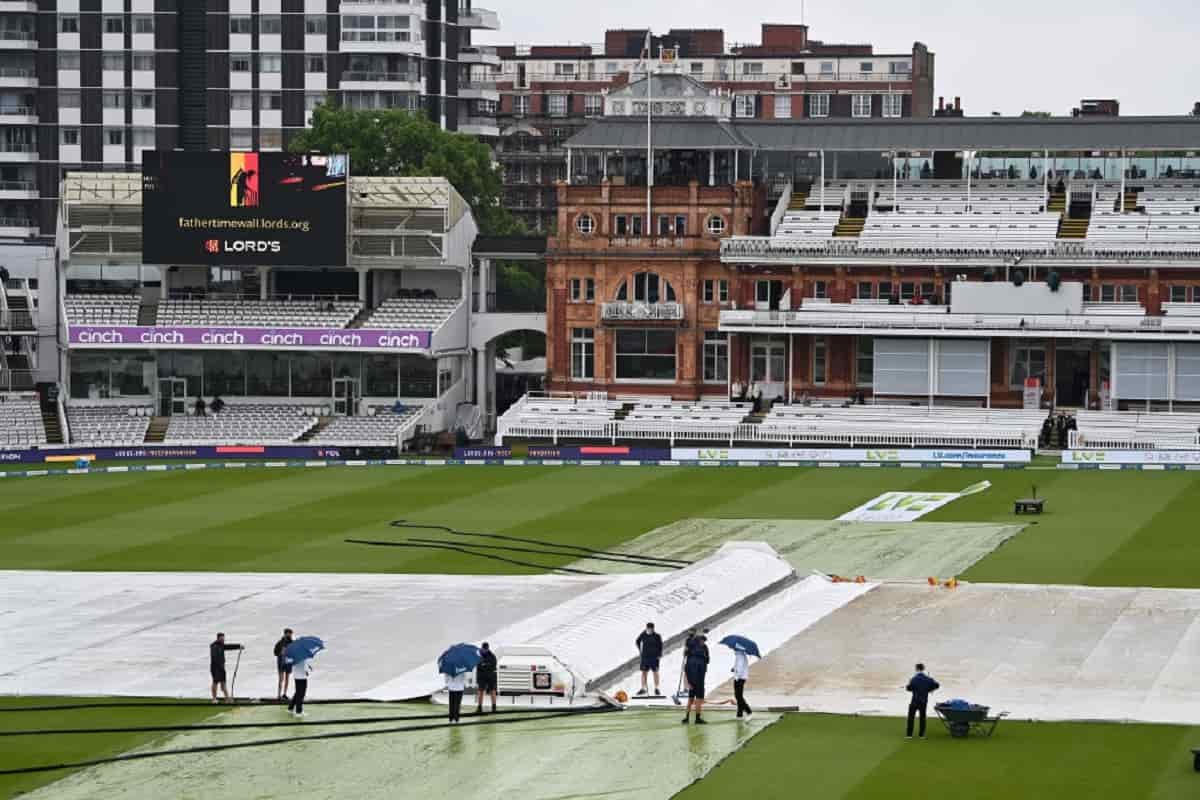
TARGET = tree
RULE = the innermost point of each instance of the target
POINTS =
(394, 142)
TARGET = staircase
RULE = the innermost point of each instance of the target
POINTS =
(147, 315)
(849, 227)
(360, 318)
(322, 424)
(623, 411)
(1058, 203)
(157, 431)
(799, 198)
(54, 432)
(1131, 200)
(1072, 228)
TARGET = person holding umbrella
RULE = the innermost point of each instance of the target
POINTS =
(695, 667)
(299, 653)
(742, 648)
(216, 664)
(455, 663)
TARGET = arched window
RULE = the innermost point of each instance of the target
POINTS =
(648, 287)
(585, 224)
(715, 225)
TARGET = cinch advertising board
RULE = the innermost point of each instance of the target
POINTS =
(179, 337)
(244, 209)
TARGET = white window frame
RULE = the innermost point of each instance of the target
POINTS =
(818, 105)
(861, 105)
(864, 354)
(593, 105)
(744, 106)
(715, 225)
(583, 354)
(557, 105)
(1021, 353)
(585, 223)
(783, 106)
(893, 106)
(820, 357)
(716, 356)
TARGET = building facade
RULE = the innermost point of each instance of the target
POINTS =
(548, 93)
(954, 261)
(635, 305)
(90, 84)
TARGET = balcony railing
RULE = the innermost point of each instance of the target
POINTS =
(370, 76)
(17, 222)
(17, 380)
(641, 312)
(17, 72)
(17, 36)
(17, 186)
(17, 111)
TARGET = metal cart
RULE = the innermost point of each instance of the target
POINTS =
(962, 721)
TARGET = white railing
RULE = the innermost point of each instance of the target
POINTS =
(781, 209)
(791, 434)
(935, 319)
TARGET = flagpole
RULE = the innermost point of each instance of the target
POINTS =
(649, 135)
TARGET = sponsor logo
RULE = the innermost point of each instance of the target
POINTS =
(212, 246)
(713, 455)
(245, 246)
(883, 455)
(1088, 456)
(907, 506)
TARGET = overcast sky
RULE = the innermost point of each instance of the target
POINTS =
(999, 55)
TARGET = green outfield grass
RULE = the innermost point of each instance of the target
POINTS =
(26, 751)
(1101, 528)
(849, 758)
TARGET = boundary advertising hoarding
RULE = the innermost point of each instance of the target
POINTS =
(144, 337)
(1099, 457)
(882, 456)
(244, 209)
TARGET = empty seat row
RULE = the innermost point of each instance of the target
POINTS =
(243, 424)
(112, 425)
(101, 309)
(258, 313)
(380, 427)
(426, 313)
(21, 422)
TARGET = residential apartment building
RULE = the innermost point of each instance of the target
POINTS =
(90, 84)
(548, 93)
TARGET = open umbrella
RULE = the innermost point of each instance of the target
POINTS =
(303, 648)
(742, 644)
(458, 659)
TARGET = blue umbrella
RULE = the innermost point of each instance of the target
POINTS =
(458, 659)
(303, 648)
(741, 643)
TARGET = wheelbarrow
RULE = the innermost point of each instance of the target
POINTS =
(964, 719)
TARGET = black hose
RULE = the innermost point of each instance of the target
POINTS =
(400, 523)
(290, 740)
(214, 726)
(244, 703)
(634, 560)
(465, 551)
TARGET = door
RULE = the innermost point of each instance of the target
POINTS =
(345, 396)
(768, 366)
(172, 396)
(1072, 376)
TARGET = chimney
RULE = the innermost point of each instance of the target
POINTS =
(941, 104)
(958, 104)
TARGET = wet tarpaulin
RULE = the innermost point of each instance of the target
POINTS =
(1039, 652)
(147, 634)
